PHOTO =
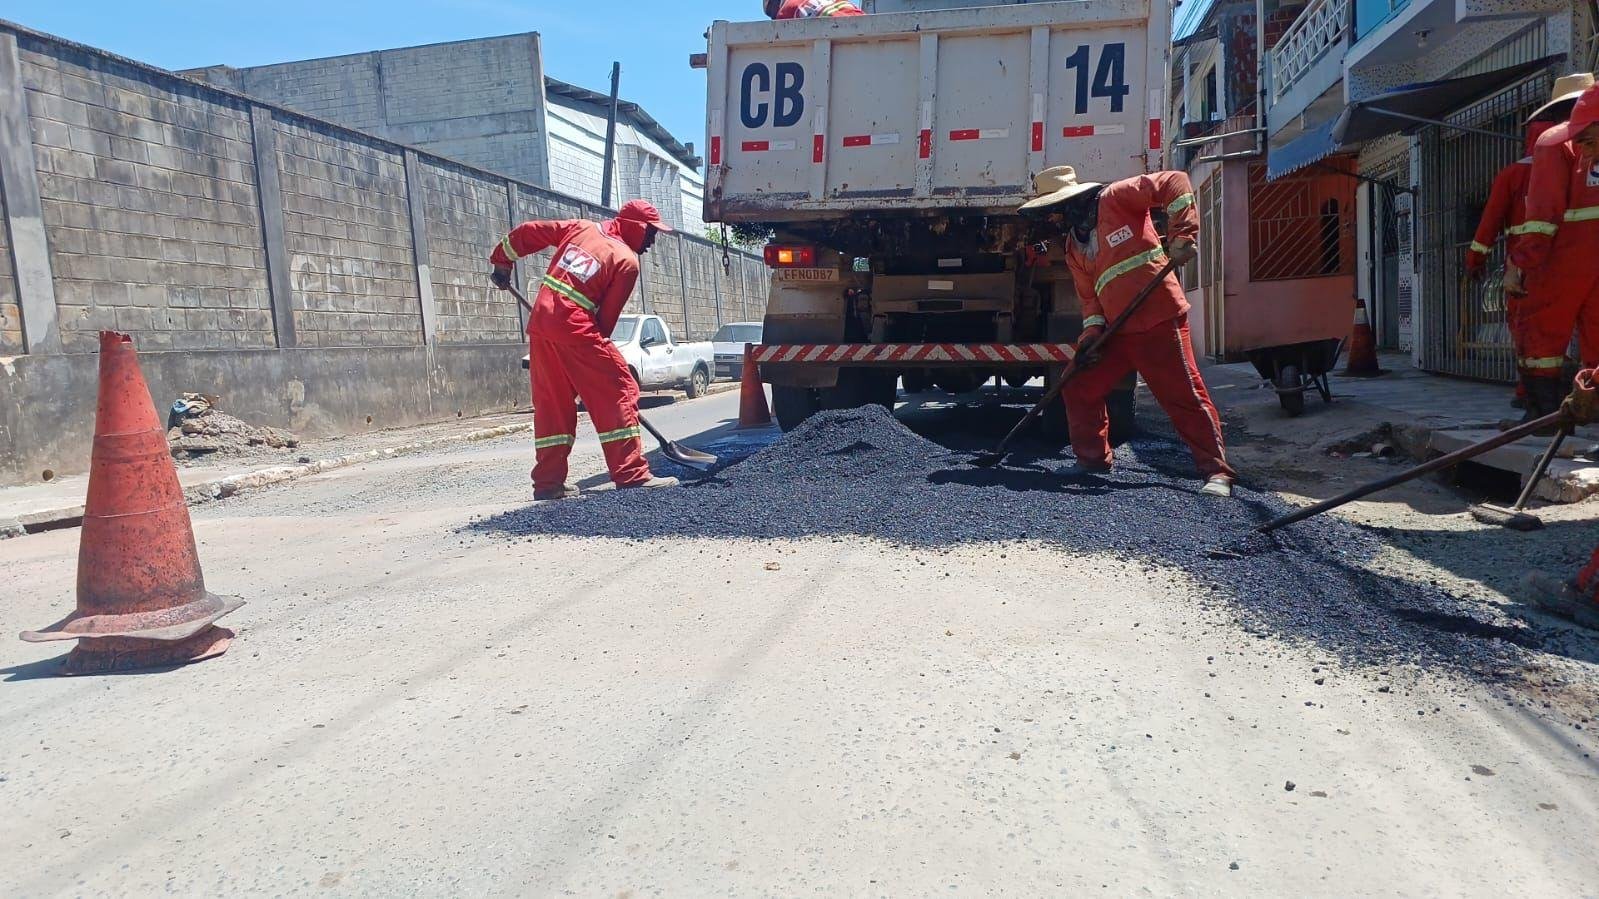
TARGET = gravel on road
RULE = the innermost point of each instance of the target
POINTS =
(860, 473)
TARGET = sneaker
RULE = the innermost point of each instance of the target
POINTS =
(1218, 485)
(654, 483)
(551, 494)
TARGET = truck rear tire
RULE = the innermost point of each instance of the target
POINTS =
(859, 387)
(792, 405)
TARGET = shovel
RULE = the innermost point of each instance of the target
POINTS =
(990, 460)
(671, 449)
(1517, 518)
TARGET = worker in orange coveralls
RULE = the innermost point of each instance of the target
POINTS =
(1576, 599)
(1556, 254)
(806, 9)
(570, 354)
(1504, 212)
(1113, 251)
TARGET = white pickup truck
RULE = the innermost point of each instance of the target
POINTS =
(659, 363)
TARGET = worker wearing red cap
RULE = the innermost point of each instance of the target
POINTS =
(1113, 251)
(1505, 212)
(570, 354)
(1555, 251)
(808, 9)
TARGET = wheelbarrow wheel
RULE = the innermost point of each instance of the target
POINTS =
(1291, 390)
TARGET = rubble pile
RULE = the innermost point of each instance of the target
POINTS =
(197, 429)
(861, 474)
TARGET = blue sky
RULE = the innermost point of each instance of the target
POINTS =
(652, 40)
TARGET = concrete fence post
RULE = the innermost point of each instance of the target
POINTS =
(269, 194)
(19, 182)
(512, 219)
(682, 282)
(416, 197)
(716, 291)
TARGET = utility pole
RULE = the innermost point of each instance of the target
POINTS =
(610, 136)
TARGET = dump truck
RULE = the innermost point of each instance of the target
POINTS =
(886, 155)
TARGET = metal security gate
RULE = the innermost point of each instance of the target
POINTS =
(1463, 330)
(1392, 242)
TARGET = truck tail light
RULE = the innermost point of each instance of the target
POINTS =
(790, 257)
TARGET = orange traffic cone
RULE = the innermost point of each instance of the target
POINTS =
(142, 600)
(752, 409)
(1362, 344)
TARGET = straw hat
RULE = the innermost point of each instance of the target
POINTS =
(1056, 185)
(1583, 114)
(1567, 89)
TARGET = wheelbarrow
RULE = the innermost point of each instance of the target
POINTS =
(1297, 368)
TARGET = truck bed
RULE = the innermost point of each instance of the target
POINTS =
(944, 110)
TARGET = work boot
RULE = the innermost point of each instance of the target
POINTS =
(1544, 397)
(551, 494)
(654, 483)
(1081, 468)
(1218, 485)
(1561, 598)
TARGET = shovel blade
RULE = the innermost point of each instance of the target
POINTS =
(989, 460)
(688, 458)
(1513, 519)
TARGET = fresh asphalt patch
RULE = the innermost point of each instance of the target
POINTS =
(860, 473)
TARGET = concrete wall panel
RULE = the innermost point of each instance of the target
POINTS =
(10, 313)
(347, 229)
(150, 210)
(466, 216)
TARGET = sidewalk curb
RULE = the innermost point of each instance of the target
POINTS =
(222, 488)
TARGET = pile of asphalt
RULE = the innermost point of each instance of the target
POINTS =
(861, 474)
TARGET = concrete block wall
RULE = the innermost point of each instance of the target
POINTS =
(462, 208)
(149, 201)
(347, 231)
(315, 277)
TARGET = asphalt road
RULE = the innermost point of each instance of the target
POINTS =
(412, 708)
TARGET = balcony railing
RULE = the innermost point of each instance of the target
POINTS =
(1321, 27)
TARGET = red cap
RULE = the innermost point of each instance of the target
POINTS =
(643, 212)
(1585, 113)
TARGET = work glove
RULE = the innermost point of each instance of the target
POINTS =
(1582, 406)
(501, 277)
(1088, 344)
(1183, 250)
(1476, 266)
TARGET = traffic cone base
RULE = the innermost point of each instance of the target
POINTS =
(141, 598)
(753, 412)
(105, 655)
(176, 623)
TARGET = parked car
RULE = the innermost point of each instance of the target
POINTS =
(656, 361)
(729, 343)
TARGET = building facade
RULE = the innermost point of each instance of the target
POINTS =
(488, 104)
(1428, 98)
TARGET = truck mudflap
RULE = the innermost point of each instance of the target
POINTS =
(917, 354)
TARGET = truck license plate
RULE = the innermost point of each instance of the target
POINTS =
(807, 275)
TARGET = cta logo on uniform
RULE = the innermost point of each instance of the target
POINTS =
(1593, 175)
(1119, 236)
(579, 263)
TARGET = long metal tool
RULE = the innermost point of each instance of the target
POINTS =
(1555, 420)
(671, 449)
(990, 460)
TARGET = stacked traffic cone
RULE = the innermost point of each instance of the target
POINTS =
(142, 601)
(1362, 344)
(752, 409)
